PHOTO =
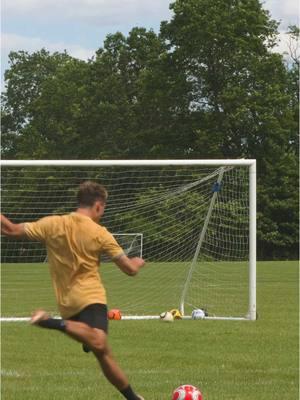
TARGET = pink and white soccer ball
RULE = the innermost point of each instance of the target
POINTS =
(187, 392)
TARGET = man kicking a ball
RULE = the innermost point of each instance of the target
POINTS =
(74, 243)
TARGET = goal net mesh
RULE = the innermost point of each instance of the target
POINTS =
(159, 212)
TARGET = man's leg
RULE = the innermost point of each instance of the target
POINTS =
(96, 340)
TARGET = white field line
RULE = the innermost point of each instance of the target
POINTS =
(134, 317)
(11, 373)
(14, 319)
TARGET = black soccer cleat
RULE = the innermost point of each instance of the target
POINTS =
(86, 348)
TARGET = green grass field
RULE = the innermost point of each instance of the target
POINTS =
(225, 359)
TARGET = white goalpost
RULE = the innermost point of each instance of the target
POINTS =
(194, 221)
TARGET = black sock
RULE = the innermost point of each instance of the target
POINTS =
(53, 323)
(129, 394)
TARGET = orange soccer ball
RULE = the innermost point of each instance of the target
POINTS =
(114, 314)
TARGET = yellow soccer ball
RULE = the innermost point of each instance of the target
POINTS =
(176, 313)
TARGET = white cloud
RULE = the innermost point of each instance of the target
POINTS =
(109, 12)
(13, 42)
(286, 11)
(282, 44)
(105, 12)
(286, 46)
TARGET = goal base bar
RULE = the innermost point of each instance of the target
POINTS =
(135, 318)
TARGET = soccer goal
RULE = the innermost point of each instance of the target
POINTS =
(196, 224)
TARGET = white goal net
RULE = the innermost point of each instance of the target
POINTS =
(193, 222)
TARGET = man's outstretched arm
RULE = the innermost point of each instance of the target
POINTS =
(8, 228)
(129, 266)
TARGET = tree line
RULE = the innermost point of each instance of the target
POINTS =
(207, 85)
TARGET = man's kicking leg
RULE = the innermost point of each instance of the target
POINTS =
(96, 340)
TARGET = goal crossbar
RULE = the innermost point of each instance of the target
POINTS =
(82, 163)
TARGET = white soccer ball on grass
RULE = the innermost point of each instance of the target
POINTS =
(198, 314)
(166, 316)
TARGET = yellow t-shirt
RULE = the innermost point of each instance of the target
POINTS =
(74, 243)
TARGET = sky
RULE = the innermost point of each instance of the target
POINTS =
(80, 26)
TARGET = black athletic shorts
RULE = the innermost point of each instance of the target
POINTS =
(95, 316)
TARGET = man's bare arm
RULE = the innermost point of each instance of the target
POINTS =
(129, 266)
(8, 228)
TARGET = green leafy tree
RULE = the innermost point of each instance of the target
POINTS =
(117, 76)
(222, 49)
(242, 103)
(24, 87)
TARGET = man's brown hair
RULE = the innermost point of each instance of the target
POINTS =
(89, 192)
